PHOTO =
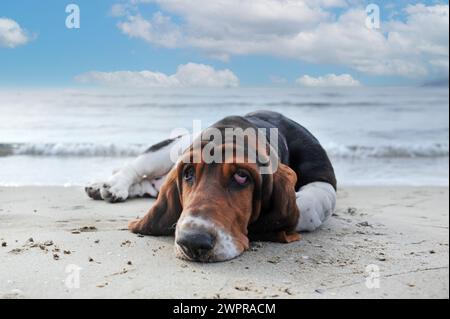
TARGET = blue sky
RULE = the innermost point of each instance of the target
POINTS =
(54, 55)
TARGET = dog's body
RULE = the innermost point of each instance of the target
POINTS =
(299, 196)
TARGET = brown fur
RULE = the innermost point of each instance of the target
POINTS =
(163, 216)
(264, 210)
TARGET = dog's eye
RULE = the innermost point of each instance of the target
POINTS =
(241, 177)
(189, 174)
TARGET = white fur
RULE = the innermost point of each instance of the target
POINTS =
(316, 201)
(224, 249)
(146, 188)
(130, 180)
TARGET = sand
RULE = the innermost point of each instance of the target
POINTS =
(60, 244)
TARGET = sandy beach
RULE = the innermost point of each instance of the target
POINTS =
(50, 234)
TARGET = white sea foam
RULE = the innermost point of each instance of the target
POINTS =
(131, 150)
(72, 149)
(388, 151)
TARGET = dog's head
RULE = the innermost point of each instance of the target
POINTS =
(217, 207)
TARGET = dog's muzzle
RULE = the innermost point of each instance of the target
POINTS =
(196, 245)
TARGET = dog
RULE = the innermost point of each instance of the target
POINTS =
(216, 207)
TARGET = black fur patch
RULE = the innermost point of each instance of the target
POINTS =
(161, 145)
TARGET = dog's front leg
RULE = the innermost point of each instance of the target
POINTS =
(156, 162)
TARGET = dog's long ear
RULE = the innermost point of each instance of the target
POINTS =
(162, 217)
(279, 215)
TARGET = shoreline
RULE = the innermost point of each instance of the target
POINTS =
(402, 231)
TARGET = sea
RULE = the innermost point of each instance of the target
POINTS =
(374, 136)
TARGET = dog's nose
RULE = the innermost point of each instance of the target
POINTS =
(196, 244)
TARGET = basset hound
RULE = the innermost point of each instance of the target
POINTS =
(215, 207)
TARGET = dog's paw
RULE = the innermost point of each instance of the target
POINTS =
(93, 191)
(114, 193)
(134, 226)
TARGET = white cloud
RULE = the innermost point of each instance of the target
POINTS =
(308, 30)
(329, 80)
(159, 30)
(11, 34)
(328, 3)
(423, 37)
(189, 75)
(119, 10)
(225, 27)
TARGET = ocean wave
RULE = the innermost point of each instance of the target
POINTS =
(388, 151)
(130, 150)
(72, 149)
